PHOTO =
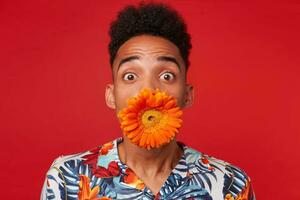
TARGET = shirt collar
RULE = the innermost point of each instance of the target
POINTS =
(191, 161)
(182, 168)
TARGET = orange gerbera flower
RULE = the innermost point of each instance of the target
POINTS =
(151, 119)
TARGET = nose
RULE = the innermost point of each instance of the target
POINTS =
(150, 82)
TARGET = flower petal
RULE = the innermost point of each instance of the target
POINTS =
(154, 133)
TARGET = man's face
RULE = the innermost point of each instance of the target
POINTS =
(148, 62)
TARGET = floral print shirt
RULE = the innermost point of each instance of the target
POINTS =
(99, 174)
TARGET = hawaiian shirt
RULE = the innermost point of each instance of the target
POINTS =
(99, 174)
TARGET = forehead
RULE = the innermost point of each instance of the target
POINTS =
(148, 47)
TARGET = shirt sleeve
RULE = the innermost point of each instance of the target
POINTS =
(54, 186)
(250, 195)
(247, 193)
(238, 185)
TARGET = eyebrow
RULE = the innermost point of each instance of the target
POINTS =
(160, 58)
(128, 59)
(169, 59)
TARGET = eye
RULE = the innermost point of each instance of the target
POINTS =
(167, 76)
(129, 76)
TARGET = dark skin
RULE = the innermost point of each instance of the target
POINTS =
(149, 62)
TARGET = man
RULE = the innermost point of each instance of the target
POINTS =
(149, 48)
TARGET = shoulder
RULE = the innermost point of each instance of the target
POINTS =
(67, 161)
(63, 170)
(59, 161)
(67, 172)
(89, 157)
(218, 176)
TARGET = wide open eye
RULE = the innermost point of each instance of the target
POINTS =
(129, 76)
(167, 76)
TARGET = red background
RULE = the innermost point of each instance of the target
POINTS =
(244, 65)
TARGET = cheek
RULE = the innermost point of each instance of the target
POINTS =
(178, 93)
(121, 99)
(180, 101)
(122, 94)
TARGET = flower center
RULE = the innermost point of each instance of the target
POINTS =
(151, 118)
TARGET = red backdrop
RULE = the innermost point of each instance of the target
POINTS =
(244, 65)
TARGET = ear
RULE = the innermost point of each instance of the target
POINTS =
(109, 96)
(189, 95)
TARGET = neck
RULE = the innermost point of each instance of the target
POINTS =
(150, 162)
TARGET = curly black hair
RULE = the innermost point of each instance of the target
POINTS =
(150, 18)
